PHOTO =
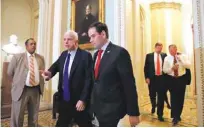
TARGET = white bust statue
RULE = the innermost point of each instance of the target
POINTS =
(12, 48)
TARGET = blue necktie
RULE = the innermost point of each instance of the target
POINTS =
(66, 92)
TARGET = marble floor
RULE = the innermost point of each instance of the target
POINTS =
(189, 117)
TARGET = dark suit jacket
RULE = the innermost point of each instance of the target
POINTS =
(114, 93)
(149, 68)
(81, 78)
(188, 76)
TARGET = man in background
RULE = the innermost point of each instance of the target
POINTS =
(155, 79)
(175, 66)
(27, 85)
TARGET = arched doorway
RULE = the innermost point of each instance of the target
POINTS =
(24, 17)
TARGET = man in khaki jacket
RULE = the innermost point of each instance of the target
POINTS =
(27, 84)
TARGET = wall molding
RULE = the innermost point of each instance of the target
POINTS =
(162, 5)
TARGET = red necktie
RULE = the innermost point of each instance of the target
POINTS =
(175, 71)
(158, 72)
(98, 63)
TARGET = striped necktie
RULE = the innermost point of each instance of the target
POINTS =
(32, 71)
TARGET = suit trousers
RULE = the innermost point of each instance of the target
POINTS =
(68, 115)
(158, 91)
(177, 89)
(161, 89)
(29, 99)
(153, 92)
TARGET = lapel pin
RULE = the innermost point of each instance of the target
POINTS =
(108, 51)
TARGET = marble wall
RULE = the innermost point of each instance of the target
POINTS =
(198, 17)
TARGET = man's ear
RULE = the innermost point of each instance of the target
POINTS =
(103, 33)
(77, 42)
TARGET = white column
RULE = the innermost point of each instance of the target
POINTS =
(116, 22)
(43, 40)
(109, 20)
(116, 25)
(42, 27)
(198, 16)
(69, 14)
(138, 45)
(60, 27)
(53, 23)
(147, 46)
(122, 23)
(56, 38)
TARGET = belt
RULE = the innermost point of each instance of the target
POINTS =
(158, 75)
(176, 76)
(37, 86)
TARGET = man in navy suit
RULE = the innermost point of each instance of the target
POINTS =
(75, 82)
(114, 93)
(155, 79)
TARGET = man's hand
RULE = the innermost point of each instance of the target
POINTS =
(134, 120)
(175, 67)
(179, 58)
(46, 75)
(147, 81)
(80, 106)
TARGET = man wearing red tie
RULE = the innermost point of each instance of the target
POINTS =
(175, 65)
(154, 77)
(114, 93)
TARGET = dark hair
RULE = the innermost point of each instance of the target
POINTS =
(158, 44)
(100, 27)
(172, 45)
(26, 42)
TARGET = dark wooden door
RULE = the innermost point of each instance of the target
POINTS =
(5, 93)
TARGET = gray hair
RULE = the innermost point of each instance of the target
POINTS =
(172, 45)
(72, 34)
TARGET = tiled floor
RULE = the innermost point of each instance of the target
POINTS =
(189, 117)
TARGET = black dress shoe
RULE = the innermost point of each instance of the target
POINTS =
(175, 122)
(153, 110)
(160, 118)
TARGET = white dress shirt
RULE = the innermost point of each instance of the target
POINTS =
(155, 62)
(182, 61)
(36, 71)
(104, 49)
(72, 56)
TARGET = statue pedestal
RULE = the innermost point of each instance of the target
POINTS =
(5, 93)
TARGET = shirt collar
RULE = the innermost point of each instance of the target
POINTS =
(157, 53)
(175, 55)
(28, 54)
(105, 45)
(73, 52)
